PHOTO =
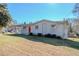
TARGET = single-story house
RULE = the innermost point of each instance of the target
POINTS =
(15, 29)
(59, 28)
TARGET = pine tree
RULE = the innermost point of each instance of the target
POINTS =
(5, 18)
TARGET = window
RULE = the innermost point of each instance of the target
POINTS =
(36, 27)
(52, 25)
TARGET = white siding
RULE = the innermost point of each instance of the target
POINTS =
(25, 31)
(46, 28)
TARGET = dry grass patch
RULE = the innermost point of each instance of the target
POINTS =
(32, 45)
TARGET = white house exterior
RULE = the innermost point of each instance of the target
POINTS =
(15, 29)
(59, 28)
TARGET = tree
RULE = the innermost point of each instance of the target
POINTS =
(5, 18)
(76, 10)
(75, 21)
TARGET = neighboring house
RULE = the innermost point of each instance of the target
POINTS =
(15, 29)
(59, 28)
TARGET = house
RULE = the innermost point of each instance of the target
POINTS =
(59, 28)
(17, 29)
(44, 27)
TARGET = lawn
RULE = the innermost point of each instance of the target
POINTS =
(13, 44)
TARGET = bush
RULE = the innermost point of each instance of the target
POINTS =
(77, 34)
(31, 34)
(58, 37)
(54, 36)
(47, 35)
(39, 34)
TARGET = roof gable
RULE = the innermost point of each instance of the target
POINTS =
(44, 20)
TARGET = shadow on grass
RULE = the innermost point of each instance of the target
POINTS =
(52, 41)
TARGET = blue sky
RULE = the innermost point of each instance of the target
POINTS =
(32, 12)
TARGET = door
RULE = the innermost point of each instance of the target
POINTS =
(44, 28)
(29, 29)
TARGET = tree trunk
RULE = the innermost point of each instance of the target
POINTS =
(1, 29)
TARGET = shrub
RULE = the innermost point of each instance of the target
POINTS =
(31, 34)
(39, 34)
(77, 34)
(47, 35)
(58, 37)
(54, 36)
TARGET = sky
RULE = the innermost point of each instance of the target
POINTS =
(32, 12)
